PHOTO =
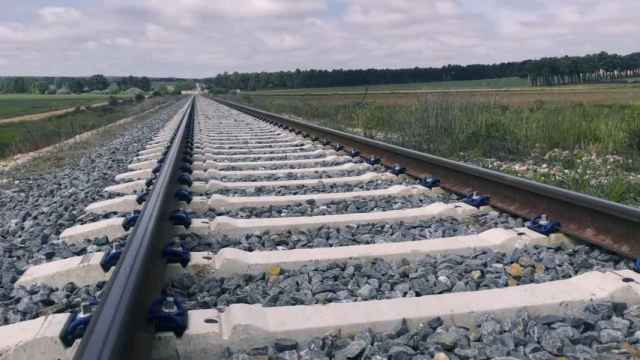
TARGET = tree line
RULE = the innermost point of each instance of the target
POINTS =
(544, 71)
(594, 68)
(76, 85)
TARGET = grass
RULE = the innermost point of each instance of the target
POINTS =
(503, 83)
(588, 94)
(490, 133)
(492, 86)
(27, 104)
(18, 138)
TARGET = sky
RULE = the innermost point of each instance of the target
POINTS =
(201, 38)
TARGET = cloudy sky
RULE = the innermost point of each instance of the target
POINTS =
(198, 38)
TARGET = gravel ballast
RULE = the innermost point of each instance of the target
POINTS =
(292, 175)
(314, 189)
(311, 208)
(606, 331)
(294, 149)
(355, 234)
(274, 157)
(37, 207)
(378, 279)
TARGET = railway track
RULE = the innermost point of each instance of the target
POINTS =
(240, 234)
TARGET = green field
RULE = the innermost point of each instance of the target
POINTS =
(504, 83)
(23, 137)
(590, 147)
(505, 87)
(25, 104)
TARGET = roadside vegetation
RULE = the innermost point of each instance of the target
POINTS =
(24, 137)
(590, 148)
(27, 104)
(502, 83)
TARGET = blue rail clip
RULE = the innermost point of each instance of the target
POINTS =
(176, 253)
(185, 179)
(180, 217)
(76, 325)
(430, 182)
(543, 225)
(110, 257)
(150, 181)
(476, 200)
(130, 220)
(354, 153)
(141, 197)
(397, 169)
(168, 314)
(373, 160)
(185, 195)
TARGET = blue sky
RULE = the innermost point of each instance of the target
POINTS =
(197, 38)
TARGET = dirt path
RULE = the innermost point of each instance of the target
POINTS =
(43, 115)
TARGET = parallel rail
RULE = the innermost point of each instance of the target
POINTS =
(604, 223)
(118, 328)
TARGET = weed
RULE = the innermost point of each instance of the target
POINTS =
(596, 147)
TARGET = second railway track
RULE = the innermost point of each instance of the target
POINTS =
(241, 237)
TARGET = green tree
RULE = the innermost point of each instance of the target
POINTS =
(77, 85)
(19, 85)
(97, 82)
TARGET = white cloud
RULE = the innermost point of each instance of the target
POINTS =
(204, 37)
(56, 14)
(91, 44)
(282, 41)
(123, 41)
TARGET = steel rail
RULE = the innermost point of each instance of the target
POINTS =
(119, 328)
(604, 223)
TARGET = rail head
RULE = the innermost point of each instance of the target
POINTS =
(608, 224)
(118, 328)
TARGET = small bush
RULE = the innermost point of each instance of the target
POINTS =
(633, 139)
(139, 97)
(470, 130)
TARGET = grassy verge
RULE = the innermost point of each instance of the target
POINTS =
(504, 83)
(591, 148)
(19, 104)
(18, 138)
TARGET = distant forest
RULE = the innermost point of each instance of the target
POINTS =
(550, 71)
(97, 84)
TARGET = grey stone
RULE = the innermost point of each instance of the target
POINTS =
(446, 339)
(610, 336)
(282, 345)
(287, 355)
(352, 351)
(366, 292)
(401, 352)
(551, 343)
